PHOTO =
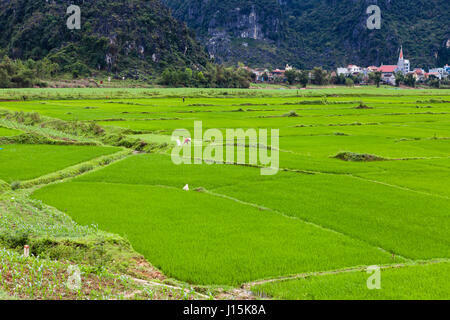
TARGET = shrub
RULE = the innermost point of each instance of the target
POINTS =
(349, 82)
(15, 185)
(15, 239)
(291, 114)
(35, 117)
(85, 168)
(363, 106)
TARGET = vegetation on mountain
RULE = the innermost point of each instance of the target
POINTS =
(213, 77)
(129, 38)
(328, 33)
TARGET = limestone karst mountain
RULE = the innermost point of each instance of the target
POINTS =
(310, 33)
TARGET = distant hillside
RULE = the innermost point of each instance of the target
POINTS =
(131, 37)
(310, 33)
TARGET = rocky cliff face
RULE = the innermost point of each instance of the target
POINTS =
(308, 33)
(131, 36)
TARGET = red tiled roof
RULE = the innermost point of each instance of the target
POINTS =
(387, 68)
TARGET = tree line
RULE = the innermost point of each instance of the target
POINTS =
(213, 76)
(29, 73)
(25, 74)
(320, 77)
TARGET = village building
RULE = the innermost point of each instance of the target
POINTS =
(419, 74)
(436, 75)
(264, 75)
(342, 71)
(388, 73)
(403, 64)
(447, 69)
(354, 70)
(441, 72)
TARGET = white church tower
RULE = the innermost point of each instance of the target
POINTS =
(403, 64)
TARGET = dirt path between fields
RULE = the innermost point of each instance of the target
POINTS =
(249, 285)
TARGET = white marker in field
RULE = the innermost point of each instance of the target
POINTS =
(186, 188)
(178, 142)
(26, 251)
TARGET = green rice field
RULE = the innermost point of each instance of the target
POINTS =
(363, 180)
(5, 132)
(411, 282)
(20, 162)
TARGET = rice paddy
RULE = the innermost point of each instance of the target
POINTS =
(5, 132)
(356, 187)
(21, 162)
(403, 283)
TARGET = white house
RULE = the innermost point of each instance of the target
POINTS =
(352, 69)
(342, 71)
(440, 71)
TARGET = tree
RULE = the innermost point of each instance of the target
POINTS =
(186, 77)
(212, 77)
(24, 79)
(376, 78)
(410, 81)
(201, 78)
(291, 76)
(349, 82)
(399, 78)
(338, 79)
(167, 77)
(303, 78)
(16, 73)
(5, 81)
(434, 82)
(46, 68)
(319, 76)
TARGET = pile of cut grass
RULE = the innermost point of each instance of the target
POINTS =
(358, 157)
